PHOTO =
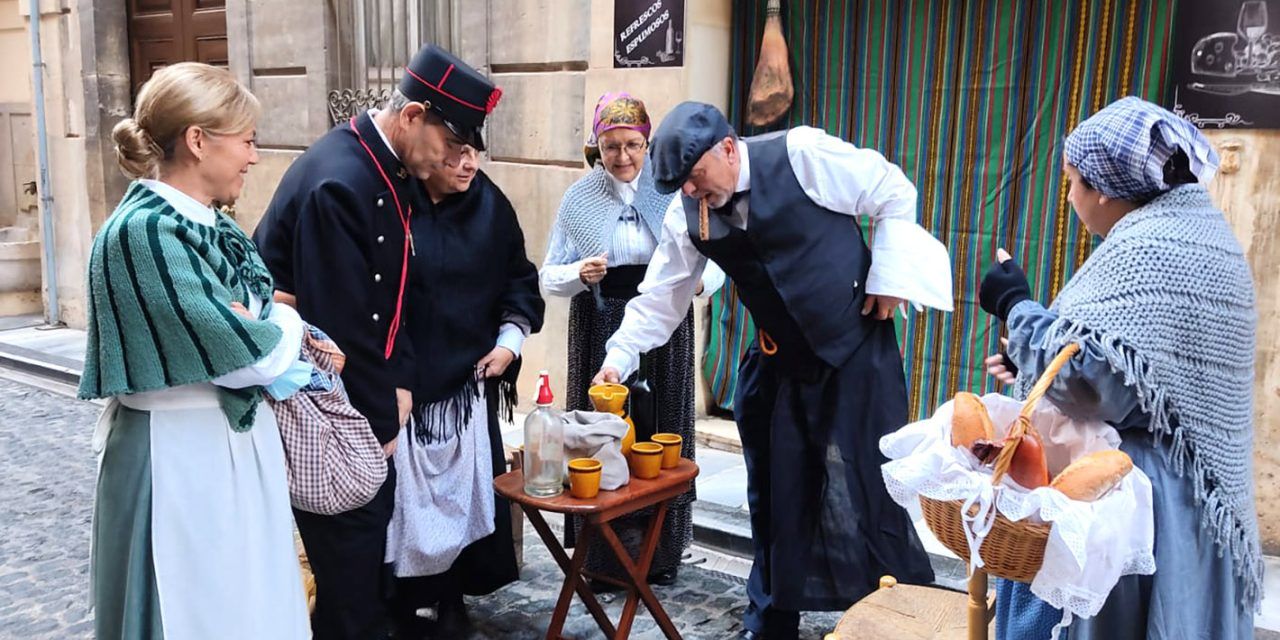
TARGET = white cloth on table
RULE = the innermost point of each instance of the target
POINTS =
(593, 434)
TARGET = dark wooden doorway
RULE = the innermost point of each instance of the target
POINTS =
(162, 32)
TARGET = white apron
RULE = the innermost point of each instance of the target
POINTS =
(222, 526)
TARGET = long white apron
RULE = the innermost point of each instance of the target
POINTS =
(222, 527)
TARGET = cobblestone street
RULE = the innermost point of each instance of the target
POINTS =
(46, 502)
(46, 506)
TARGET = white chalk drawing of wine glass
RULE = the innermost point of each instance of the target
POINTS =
(1252, 24)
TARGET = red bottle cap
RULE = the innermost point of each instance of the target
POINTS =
(544, 389)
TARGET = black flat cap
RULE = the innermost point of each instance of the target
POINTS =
(687, 132)
(460, 95)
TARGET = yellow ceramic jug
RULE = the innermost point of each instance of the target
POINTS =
(612, 398)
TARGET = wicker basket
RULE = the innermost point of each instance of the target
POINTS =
(1011, 550)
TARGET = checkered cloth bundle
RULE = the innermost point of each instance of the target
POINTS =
(334, 461)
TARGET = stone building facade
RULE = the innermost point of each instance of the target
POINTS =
(552, 58)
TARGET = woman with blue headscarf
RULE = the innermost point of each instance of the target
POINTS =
(1164, 312)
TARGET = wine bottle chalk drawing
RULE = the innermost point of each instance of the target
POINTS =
(648, 33)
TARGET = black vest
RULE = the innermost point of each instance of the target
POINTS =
(799, 268)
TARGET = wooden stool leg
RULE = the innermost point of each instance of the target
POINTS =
(638, 573)
(978, 618)
(573, 576)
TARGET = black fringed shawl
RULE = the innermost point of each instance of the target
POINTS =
(470, 272)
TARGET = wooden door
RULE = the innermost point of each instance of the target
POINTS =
(162, 32)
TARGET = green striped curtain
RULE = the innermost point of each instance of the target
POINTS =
(972, 100)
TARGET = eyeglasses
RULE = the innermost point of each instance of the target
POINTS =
(632, 148)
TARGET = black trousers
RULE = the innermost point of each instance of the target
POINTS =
(346, 551)
(822, 523)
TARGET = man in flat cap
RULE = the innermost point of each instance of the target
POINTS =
(337, 239)
(779, 213)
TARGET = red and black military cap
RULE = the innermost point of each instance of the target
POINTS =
(460, 95)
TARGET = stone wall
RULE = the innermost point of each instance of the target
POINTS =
(17, 153)
(60, 32)
(280, 51)
(15, 50)
(17, 160)
(1247, 188)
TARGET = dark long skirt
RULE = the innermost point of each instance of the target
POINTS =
(669, 370)
(822, 522)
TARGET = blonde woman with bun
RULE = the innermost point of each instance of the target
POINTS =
(192, 531)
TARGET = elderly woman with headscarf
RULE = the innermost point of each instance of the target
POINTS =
(601, 242)
(1164, 312)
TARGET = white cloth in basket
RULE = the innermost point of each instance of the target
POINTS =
(1090, 544)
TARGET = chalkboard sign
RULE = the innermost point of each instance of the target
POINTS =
(648, 33)
(1226, 63)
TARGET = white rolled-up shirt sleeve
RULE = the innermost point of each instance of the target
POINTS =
(665, 295)
(560, 270)
(906, 260)
(712, 279)
(274, 364)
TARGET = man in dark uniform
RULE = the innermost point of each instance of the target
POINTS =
(779, 214)
(337, 239)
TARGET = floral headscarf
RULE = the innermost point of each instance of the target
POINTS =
(615, 110)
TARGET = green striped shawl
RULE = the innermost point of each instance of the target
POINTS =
(160, 293)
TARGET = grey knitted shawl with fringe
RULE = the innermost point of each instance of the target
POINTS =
(590, 210)
(1169, 297)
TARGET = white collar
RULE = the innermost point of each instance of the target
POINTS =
(373, 117)
(188, 207)
(625, 191)
(744, 168)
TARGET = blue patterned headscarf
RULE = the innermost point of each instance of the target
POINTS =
(1122, 150)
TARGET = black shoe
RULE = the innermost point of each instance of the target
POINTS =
(452, 620)
(665, 578)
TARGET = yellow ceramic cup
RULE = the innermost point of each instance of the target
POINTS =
(646, 460)
(584, 477)
(670, 448)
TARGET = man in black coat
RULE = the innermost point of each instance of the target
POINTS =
(338, 241)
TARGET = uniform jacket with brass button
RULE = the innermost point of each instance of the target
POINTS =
(332, 237)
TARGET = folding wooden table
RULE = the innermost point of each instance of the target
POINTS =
(597, 513)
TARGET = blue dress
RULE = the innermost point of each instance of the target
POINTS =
(1194, 594)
